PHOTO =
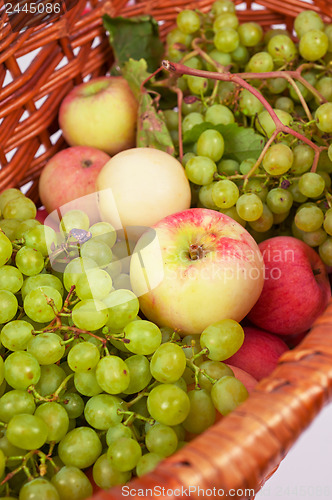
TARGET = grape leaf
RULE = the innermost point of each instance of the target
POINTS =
(135, 72)
(240, 142)
(152, 131)
(136, 38)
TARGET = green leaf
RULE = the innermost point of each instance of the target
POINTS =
(136, 38)
(135, 72)
(240, 142)
(151, 128)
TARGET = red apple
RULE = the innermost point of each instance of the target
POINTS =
(194, 268)
(296, 287)
(41, 215)
(70, 176)
(259, 352)
(101, 113)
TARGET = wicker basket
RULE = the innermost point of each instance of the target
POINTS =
(242, 450)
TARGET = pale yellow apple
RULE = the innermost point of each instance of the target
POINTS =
(140, 186)
(195, 268)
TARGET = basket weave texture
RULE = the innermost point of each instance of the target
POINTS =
(243, 449)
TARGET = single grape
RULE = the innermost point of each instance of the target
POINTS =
(41, 303)
(144, 337)
(223, 339)
(219, 114)
(21, 370)
(112, 374)
(83, 356)
(279, 200)
(39, 488)
(168, 363)
(220, 58)
(117, 431)
(44, 279)
(46, 347)
(8, 306)
(221, 6)
(161, 439)
(265, 222)
(250, 34)
(124, 454)
(249, 207)
(311, 184)
(16, 402)
(249, 104)
(98, 251)
(80, 447)
(328, 32)
(171, 118)
(232, 213)
(228, 167)
(41, 238)
(314, 238)
(205, 196)
(324, 117)
(197, 85)
(225, 193)
(240, 55)
(139, 373)
(278, 159)
(328, 221)
(168, 404)
(73, 404)
(257, 187)
(303, 157)
(313, 45)
(106, 476)
(202, 412)
(101, 411)
(89, 314)
(122, 306)
(226, 39)
(56, 418)
(227, 393)
(188, 21)
(210, 144)
(27, 431)
(265, 124)
(7, 195)
(86, 383)
(246, 165)
(74, 269)
(11, 279)
(50, 379)
(307, 20)
(225, 20)
(260, 62)
(282, 49)
(325, 251)
(147, 463)
(190, 120)
(74, 219)
(21, 208)
(103, 231)
(72, 484)
(8, 228)
(285, 104)
(200, 170)
(309, 218)
(16, 335)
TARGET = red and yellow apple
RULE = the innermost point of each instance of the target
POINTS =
(70, 176)
(195, 268)
(101, 113)
(296, 287)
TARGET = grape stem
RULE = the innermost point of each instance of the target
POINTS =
(51, 397)
(136, 415)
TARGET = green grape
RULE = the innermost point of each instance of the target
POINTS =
(56, 419)
(172, 119)
(194, 63)
(106, 476)
(46, 347)
(276, 85)
(72, 484)
(24, 227)
(6, 249)
(311, 184)
(8, 227)
(225, 193)
(205, 196)
(33, 282)
(313, 45)
(80, 447)
(114, 268)
(228, 393)
(202, 413)
(192, 104)
(325, 251)
(139, 373)
(7, 195)
(326, 178)
(221, 6)
(228, 167)
(21, 208)
(305, 93)
(123, 307)
(279, 200)
(90, 314)
(27, 431)
(303, 157)
(51, 377)
(74, 269)
(197, 85)
(161, 439)
(11, 279)
(8, 306)
(190, 120)
(324, 117)
(282, 49)
(186, 157)
(86, 383)
(240, 55)
(307, 20)
(74, 219)
(261, 62)
(124, 454)
(41, 238)
(232, 213)
(168, 363)
(324, 162)
(36, 304)
(147, 463)
(279, 218)
(250, 34)
(265, 124)
(122, 281)
(328, 222)
(94, 284)
(223, 339)
(39, 488)
(112, 375)
(210, 144)
(314, 238)
(29, 261)
(257, 187)
(176, 36)
(21, 370)
(246, 165)
(144, 337)
(98, 251)
(225, 20)
(103, 231)
(101, 411)
(168, 404)
(188, 21)
(298, 197)
(226, 39)
(214, 369)
(15, 402)
(309, 218)
(265, 222)
(226, 91)
(83, 356)
(118, 431)
(16, 335)
(221, 58)
(285, 104)
(73, 404)
(249, 207)
(219, 114)
(249, 104)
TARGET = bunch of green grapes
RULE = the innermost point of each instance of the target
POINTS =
(288, 192)
(85, 382)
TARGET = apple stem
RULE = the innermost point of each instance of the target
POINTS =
(195, 251)
(316, 272)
